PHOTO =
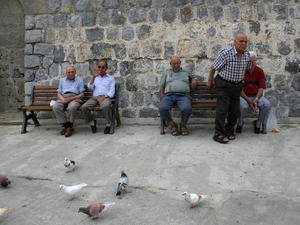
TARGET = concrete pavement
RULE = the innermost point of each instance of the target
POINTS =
(253, 180)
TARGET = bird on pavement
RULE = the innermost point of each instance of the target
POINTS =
(70, 164)
(94, 210)
(122, 184)
(193, 199)
(72, 190)
(3, 211)
(4, 181)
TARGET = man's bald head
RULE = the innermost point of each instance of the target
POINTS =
(240, 42)
(175, 63)
(70, 71)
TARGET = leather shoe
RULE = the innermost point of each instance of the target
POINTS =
(106, 130)
(69, 132)
(256, 129)
(63, 131)
(94, 127)
(238, 129)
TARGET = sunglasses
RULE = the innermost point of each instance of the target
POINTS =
(102, 67)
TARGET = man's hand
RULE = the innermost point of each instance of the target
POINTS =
(255, 104)
(95, 72)
(194, 83)
(64, 100)
(101, 99)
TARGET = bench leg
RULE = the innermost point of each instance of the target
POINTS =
(113, 125)
(24, 123)
(162, 126)
(118, 117)
(35, 120)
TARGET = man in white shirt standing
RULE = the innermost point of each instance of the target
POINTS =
(103, 86)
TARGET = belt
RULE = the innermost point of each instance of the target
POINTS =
(70, 93)
(231, 82)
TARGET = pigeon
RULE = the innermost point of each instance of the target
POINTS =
(72, 190)
(94, 210)
(4, 181)
(4, 210)
(122, 184)
(192, 198)
(70, 164)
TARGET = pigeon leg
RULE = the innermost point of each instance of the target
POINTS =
(71, 170)
(72, 198)
(193, 206)
(93, 217)
(127, 190)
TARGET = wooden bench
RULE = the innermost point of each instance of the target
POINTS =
(202, 98)
(42, 95)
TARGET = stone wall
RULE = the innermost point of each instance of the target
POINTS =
(138, 37)
(11, 55)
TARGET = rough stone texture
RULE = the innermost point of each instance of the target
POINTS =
(120, 51)
(104, 18)
(88, 19)
(143, 32)
(217, 12)
(153, 16)
(293, 66)
(131, 83)
(94, 34)
(283, 48)
(186, 14)
(137, 15)
(281, 11)
(169, 49)
(43, 49)
(29, 75)
(32, 36)
(202, 12)
(29, 22)
(59, 54)
(128, 33)
(112, 33)
(296, 82)
(117, 18)
(281, 83)
(41, 74)
(255, 27)
(137, 99)
(124, 68)
(82, 5)
(28, 49)
(60, 20)
(112, 4)
(169, 14)
(148, 113)
(31, 61)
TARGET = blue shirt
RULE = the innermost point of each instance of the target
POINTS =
(103, 86)
(231, 67)
(75, 86)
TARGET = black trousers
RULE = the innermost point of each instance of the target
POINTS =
(228, 106)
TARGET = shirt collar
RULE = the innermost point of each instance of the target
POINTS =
(71, 80)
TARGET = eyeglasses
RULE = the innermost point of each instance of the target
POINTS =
(102, 67)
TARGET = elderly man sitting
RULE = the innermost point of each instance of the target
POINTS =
(175, 90)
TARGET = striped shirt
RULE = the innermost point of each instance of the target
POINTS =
(230, 66)
(75, 86)
(103, 85)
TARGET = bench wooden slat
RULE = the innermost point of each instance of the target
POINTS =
(45, 91)
(48, 108)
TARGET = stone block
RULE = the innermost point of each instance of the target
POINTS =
(142, 65)
(198, 2)
(129, 113)
(124, 99)
(60, 20)
(281, 83)
(282, 112)
(41, 74)
(74, 20)
(153, 15)
(47, 61)
(211, 31)
(28, 49)
(133, 50)
(31, 61)
(32, 36)
(131, 83)
(169, 49)
(186, 14)
(112, 66)
(293, 66)
(225, 2)
(145, 3)
(102, 50)
(120, 51)
(112, 4)
(202, 12)
(283, 48)
(28, 87)
(43, 49)
(152, 49)
(94, 34)
(273, 97)
(137, 99)
(217, 12)
(29, 75)
(262, 12)
(148, 113)
(83, 5)
(112, 33)
(127, 33)
(54, 70)
(289, 28)
(290, 97)
(295, 12)
(104, 18)
(212, 2)
(88, 19)
(189, 66)
(296, 82)
(82, 69)
(234, 12)
(44, 21)
(281, 10)
(59, 54)
(124, 68)
(136, 15)
(263, 48)
(151, 82)
(29, 22)
(54, 5)
(255, 27)
(169, 14)
(117, 18)
(294, 111)
(143, 31)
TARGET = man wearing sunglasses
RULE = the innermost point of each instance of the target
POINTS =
(103, 86)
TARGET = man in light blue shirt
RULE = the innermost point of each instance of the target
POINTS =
(103, 86)
(69, 93)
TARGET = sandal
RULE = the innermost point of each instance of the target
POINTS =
(184, 131)
(174, 129)
(220, 139)
(231, 137)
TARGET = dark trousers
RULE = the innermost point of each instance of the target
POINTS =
(228, 106)
(182, 101)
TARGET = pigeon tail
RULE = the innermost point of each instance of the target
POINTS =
(108, 205)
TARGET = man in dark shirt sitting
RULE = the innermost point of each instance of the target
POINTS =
(252, 98)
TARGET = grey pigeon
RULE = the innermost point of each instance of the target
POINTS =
(122, 184)
(4, 181)
(94, 210)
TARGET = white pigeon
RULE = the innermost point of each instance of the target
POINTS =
(193, 199)
(3, 211)
(70, 164)
(72, 190)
